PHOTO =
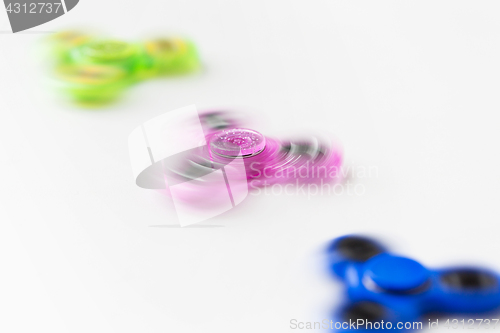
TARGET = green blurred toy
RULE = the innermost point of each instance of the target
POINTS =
(93, 70)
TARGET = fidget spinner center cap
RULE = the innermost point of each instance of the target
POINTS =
(396, 274)
(237, 142)
(108, 50)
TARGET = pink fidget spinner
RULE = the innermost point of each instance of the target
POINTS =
(208, 163)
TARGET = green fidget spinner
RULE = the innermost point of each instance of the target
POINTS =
(93, 70)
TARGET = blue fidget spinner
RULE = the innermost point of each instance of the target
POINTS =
(385, 287)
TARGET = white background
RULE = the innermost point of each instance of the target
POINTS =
(409, 87)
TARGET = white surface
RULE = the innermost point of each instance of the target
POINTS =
(409, 87)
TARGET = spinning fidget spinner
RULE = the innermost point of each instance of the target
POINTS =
(208, 162)
(384, 287)
(93, 70)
